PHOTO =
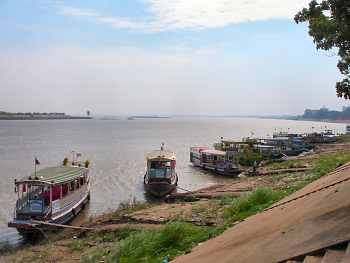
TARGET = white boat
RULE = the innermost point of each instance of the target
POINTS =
(214, 160)
(161, 177)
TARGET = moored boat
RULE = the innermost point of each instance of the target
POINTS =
(50, 197)
(214, 160)
(246, 151)
(285, 145)
(161, 177)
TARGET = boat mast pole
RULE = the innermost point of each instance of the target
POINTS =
(51, 197)
(73, 155)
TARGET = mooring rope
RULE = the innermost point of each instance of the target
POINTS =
(183, 189)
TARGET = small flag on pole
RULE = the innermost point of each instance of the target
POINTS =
(36, 163)
(78, 154)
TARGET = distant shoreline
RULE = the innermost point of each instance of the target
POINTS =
(42, 117)
(326, 120)
(149, 117)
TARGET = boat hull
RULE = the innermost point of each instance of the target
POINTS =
(223, 171)
(292, 152)
(160, 188)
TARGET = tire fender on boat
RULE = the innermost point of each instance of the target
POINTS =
(15, 189)
(73, 212)
(82, 206)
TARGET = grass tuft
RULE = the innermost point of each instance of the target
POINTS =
(166, 243)
(7, 248)
(247, 204)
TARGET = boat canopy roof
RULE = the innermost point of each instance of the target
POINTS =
(161, 155)
(214, 152)
(248, 141)
(55, 175)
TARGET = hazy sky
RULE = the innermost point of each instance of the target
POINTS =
(210, 57)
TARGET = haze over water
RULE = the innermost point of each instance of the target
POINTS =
(117, 150)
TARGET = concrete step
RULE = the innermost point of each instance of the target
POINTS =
(346, 258)
(333, 256)
(313, 259)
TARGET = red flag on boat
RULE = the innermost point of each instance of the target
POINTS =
(78, 154)
(37, 161)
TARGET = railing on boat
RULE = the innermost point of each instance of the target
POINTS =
(63, 202)
(67, 200)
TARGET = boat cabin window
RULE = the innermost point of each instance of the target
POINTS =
(34, 191)
(160, 169)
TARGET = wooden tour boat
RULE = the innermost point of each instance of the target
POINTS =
(161, 177)
(50, 197)
(214, 160)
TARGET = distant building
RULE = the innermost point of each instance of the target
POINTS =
(326, 114)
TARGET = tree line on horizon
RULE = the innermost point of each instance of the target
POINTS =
(326, 114)
(32, 113)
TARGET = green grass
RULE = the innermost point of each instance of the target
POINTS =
(102, 237)
(173, 239)
(77, 246)
(7, 248)
(238, 208)
(327, 164)
(288, 164)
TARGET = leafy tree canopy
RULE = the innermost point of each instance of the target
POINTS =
(329, 25)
